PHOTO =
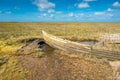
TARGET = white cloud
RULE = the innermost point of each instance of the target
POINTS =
(89, 0)
(99, 13)
(109, 10)
(44, 14)
(75, 15)
(103, 14)
(51, 11)
(44, 5)
(79, 15)
(116, 4)
(70, 14)
(83, 5)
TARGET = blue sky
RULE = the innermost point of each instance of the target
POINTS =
(60, 10)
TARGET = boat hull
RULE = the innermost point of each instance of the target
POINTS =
(75, 47)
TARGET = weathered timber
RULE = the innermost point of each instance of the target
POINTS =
(75, 47)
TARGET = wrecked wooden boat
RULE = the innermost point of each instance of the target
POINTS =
(76, 47)
(65, 45)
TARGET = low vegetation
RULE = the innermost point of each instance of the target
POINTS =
(12, 71)
(73, 31)
(15, 35)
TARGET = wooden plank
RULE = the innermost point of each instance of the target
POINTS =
(110, 38)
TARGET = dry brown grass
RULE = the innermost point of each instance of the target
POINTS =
(73, 31)
(69, 67)
(12, 71)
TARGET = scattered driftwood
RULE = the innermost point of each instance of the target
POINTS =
(31, 46)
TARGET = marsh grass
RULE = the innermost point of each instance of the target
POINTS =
(3, 60)
(67, 30)
(15, 35)
(8, 47)
(11, 71)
